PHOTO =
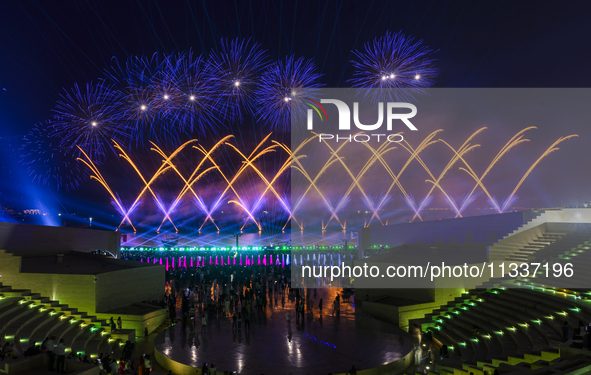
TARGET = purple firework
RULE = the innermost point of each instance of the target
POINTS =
(393, 61)
(47, 163)
(85, 117)
(134, 100)
(283, 83)
(189, 94)
(236, 68)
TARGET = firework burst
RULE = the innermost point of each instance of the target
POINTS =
(193, 93)
(283, 83)
(133, 96)
(236, 68)
(46, 161)
(393, 61)
(85, 117)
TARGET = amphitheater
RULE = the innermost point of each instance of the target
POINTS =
(520, 320)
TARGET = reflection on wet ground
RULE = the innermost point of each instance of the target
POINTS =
(280, 341)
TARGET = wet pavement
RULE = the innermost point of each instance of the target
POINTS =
(315, 344)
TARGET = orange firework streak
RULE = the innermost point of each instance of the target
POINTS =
(377, 154)
(396, 177)
(269, 184)
(303, 171)
(517, 139)
(270, 187)
(188, 184)
(192, 179)
(294, 162)
(548, 151)
(242, 169)
(464, 148)
(331, 160)
(97, 176)
(163, 168)
(512, 143)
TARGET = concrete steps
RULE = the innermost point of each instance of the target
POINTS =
(27, 318)
(519, 331)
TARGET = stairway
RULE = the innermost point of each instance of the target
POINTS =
(524, 253)
(27, 318)
(520, 329)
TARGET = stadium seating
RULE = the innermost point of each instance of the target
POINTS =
(27, 318)
(519, 320)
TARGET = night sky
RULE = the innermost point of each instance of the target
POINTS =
(46, 46)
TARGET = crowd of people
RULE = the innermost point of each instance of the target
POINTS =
(194, 298)
(238, 294)
(581, 335)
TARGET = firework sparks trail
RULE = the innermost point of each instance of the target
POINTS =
(163, 168)
(294, 162)
(464, 148)
(517, 139)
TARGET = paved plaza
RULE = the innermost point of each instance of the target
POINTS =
(315, 344)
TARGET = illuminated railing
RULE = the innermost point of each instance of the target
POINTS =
(241, 248)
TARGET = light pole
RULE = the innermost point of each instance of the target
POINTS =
(237, 235)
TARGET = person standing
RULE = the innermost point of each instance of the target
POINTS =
(203, 323)
(121, 367)
(114, 367)
(246, 321)
(565, 330)
(112, 324)
(141, 366)
(192, 311)
(50, 348)
(320, 305)
(148, 364)
(60, 351)
(119, 324)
